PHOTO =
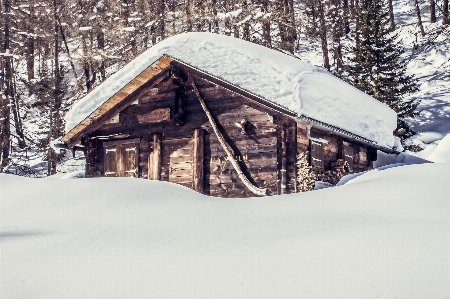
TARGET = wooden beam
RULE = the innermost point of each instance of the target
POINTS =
(197, 163)
(283, 180)
(154, 159)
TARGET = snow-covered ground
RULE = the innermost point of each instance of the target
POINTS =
(384, 234)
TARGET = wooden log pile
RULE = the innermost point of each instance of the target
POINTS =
(339, 168)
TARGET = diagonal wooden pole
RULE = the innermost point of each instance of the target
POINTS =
(227, 148)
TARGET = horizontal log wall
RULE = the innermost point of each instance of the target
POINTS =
(255, 144)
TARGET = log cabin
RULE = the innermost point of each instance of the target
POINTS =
(226, 118)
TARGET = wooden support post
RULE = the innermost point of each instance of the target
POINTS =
(283, 180)
(197, 163)
(154, 159)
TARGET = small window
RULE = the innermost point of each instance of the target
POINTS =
(316, 156)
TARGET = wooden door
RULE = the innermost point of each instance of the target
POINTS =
(129, 162)
(110, 160)
(177, 157)
(121, 158)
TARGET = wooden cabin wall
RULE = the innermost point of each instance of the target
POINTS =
(255, 145)
(333, 150)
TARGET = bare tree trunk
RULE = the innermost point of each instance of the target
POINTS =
(391, 16)
(101, 45)
(445, 17)
(246, 25)
(419, 18)
(30, 43)
(346, 15)
(14, 103)
(188, 15)
(162, 15)
(266, 25)
(323, 34)
(5, 134)
(55, 104)
(336, 34)
(433, 11)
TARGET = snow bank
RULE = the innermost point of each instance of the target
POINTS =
(280, 78)
(441, 154)
(386, 235)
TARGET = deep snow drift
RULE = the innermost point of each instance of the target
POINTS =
(386, 234)
(280, 78)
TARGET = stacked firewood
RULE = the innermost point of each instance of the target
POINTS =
(338, 169)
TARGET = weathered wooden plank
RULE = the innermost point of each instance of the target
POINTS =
(153, 98)
(177, 160)
(157, 115)
(348, 153)
(282, 172)
(122, 141)
(198, 167)
(178, 172)
(154, 160)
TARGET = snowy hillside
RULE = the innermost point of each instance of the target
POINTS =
(429, 61)
(385, 234)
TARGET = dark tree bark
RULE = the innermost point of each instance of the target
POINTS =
(188, 12)
(286, 24)
(432, 11)
(445, 16)
(323, 34)
(336, 34)
(419, 18)
(391, 15)
(30, 44)
(5, 137)
(267, 39)
(346, 15)
(246, 25)
(162, 22)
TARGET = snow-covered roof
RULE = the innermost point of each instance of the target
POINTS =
(304, 89)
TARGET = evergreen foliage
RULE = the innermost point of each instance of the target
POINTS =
(377, 68)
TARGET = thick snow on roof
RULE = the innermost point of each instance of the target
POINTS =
(297, 85)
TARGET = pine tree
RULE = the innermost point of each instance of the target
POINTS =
(376, 67)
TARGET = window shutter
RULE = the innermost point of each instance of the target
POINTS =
(347, 152)
(110, 161)
(316, 156)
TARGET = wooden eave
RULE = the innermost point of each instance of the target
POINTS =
(343, 133)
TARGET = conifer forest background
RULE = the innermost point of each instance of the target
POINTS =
(53, 52)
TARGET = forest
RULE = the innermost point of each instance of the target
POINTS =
(55, 52)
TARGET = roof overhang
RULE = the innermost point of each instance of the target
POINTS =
(343, 133)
